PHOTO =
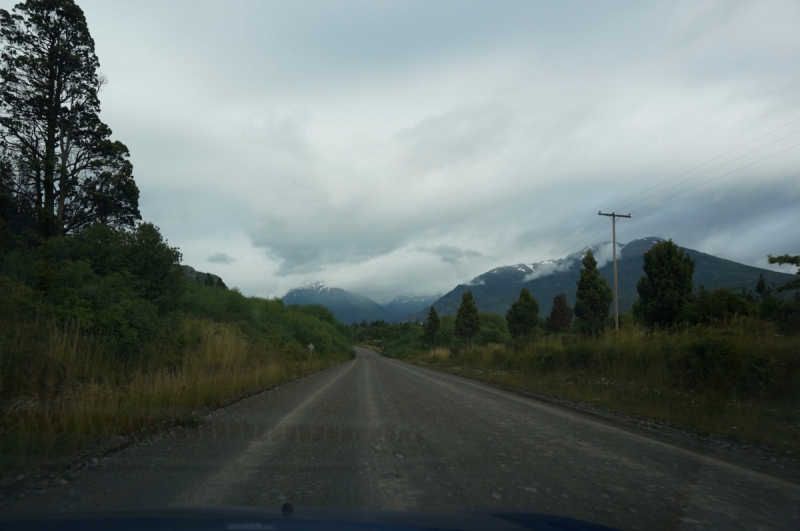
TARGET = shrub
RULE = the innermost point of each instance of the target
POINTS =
(709, 362)
(579, 355)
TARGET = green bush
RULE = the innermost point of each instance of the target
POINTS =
(580, 354)
(709, 362)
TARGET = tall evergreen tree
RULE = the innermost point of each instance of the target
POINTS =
(593, 296)
(431, 327)
(64, 167)
(523, 316)
(468, 322)
(560, 316)
(667, 286)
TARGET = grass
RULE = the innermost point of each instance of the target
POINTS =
(740, 380)
(70, 389)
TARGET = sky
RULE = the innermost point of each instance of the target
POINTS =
(390, 147)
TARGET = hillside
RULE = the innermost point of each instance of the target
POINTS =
(409, 305)
(496, 290)
(347, 307)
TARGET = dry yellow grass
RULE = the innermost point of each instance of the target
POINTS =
(649, 374)
(69, 393)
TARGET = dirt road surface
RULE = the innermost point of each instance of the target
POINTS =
(376, 433)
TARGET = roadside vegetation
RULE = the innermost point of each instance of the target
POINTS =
(90, 350)
(101, 332)
(719, 361)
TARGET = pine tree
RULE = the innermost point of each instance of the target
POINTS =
(431, 327)
(468, 322)
(560, 316)
(667, 286)
(593, 296)
(761, 288)
(523, 316)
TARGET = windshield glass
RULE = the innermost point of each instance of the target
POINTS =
(426, 257)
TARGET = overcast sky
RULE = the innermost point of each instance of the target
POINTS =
(390, 147)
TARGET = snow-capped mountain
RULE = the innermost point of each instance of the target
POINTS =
(406, 304)
(497, 289)
(347, 307)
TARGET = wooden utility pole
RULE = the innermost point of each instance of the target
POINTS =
(614, 217)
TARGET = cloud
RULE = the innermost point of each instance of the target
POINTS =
(543, 269)
(379, 147)
(452, 255)
(220, 258)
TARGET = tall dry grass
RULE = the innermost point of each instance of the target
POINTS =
(741, 379)
(64, 389)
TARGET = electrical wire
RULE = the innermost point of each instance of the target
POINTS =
(716, 178)
(556, 244)
(703, 164)
(712, 169)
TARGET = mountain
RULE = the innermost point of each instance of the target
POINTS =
(495, 290)
(347, 307)
(409, 304)
(192, 273)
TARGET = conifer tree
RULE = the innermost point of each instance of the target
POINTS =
(593, 296)
(560, 316)
(431, 327)
(523, 315)
(667, 286)
(468, 322)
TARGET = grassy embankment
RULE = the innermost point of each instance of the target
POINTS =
(73, 393)
(741, 379)
(95, 344)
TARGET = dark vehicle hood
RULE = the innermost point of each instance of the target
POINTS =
(233, 519)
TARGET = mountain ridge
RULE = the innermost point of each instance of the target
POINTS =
(495, 290)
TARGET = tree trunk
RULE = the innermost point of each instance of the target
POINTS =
(48, 212)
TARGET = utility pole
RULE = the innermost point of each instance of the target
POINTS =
(614, 217)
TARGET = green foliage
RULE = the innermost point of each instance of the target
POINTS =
(791, 260)
(523, 315)
(593, 296)
(666, 289)
(128, 287)
(719, 305)
(60, 166)
(494, 330)
(431, 328)
(468, 321)
(561, 315)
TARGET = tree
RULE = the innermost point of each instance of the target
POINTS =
(468, 322)
(63, 165)
(523, 316)
(761, 287)
(791, 260)
(593, 295)
(560, 316)
(431, 327)
(667, 286)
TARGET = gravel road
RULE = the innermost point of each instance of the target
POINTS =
(381, 434)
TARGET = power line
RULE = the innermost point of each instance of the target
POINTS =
(588, 238)
(706, 162)
(716, 178)
(709, 171)
(556, 245)
(566, 243)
